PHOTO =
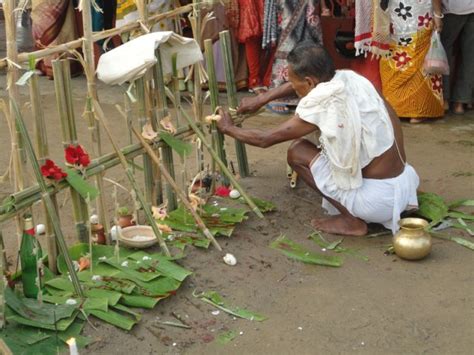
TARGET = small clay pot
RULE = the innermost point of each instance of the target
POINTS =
(126, 221)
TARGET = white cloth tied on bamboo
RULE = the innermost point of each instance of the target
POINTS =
(354, 123)
(131, 60)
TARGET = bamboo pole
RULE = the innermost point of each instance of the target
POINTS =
(48, 202)
(2, 284)
(42, 153)
(88, 50)
(178, 191)
(69, 137)
(217, 137)
(224, 169)
(232, 98)
(13, 96)
(143, 119)
(97, 36)
(146, 208)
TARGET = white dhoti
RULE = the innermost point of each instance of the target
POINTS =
(376, 201)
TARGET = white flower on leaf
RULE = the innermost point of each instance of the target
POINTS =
(160, 212)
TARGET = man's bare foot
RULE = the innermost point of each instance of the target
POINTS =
(341, 225)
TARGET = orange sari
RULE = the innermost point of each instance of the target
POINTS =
(410, 91)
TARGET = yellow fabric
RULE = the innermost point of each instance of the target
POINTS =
(410, 91)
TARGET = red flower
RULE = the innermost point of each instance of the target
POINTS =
(52, 171)
(77, 156)
(222, 191)
(437, 83)
(424, 21)
(401, 58)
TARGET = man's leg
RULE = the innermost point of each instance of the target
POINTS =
(300, 156)
(462, 91)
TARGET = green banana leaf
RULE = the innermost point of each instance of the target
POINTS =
(295, 251)
(161, 287)
(74, 331)
(162, 265)
(23, 340)
(114, 318)
(127, 311)
(226, 337)
(216, 300)
(143, 270)
(457, 214)
(106, 282)
(180, 242)
(44, 313)
(178, 145)
(61, 324)
(459, 203)
(335, 246)
(102, 304)
(83, 188)
(432, 207)
(139, 301)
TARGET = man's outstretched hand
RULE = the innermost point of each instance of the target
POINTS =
(249, 104)
(225, 122)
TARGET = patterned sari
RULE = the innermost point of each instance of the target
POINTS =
(410, 91)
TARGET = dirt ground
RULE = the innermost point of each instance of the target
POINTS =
(385, 305)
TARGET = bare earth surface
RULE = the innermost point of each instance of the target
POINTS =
(385, 305)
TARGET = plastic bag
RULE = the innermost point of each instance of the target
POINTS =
(436, 60)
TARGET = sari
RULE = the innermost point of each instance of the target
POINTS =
(411, 92)
(53, 23)
(287, 23)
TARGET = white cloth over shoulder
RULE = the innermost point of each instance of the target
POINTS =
(131, 60)
(354, 123)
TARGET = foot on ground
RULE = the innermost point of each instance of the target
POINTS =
(458, 108)
(341, 225)
(418, 120)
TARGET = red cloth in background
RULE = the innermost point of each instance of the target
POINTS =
(260, 71)
(251, 19)
(368, 68)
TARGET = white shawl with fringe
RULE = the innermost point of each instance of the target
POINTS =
(354, 123)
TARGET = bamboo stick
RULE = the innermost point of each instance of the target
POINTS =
(48, 202)
(143, 119)
(88, 50)
(232, 98)
(179, 192)
(69, 137)
(13, 96)
(97, 36)
(149, 216)
(217, 137)
(2, 284)
(42, 152)
(225, 170)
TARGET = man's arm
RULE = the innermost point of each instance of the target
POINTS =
(291, 129)
(253, 103)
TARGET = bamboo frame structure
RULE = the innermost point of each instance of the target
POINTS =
(241, 152)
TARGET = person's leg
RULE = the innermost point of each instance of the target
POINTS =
(452, 26)
(462, 91)
(301, 154)
(253, 51)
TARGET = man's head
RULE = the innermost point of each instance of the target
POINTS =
(308, 65)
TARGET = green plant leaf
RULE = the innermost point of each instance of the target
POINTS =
(25, 78)
(459, 203)
(140, 270)
(83, 188)
(216, 300)
(128, 312)
(319, 240)
(298, 252)
(61, 324)
(139, 301)
(432, 206)
(114, 318)
(226, 337)
(162, 265)
(179, 146)
(102, 304)
(461, 241)
(456, 214)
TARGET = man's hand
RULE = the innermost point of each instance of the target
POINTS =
(249, 105)
(225, 122)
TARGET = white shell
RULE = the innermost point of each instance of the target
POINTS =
(94, 219)
(229, 259)
(115, 232)
(40, 229)
(234, 194)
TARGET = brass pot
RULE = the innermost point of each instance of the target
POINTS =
(412, 241)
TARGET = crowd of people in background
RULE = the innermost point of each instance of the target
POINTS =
(390, 37)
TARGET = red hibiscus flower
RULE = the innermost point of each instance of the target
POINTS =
(424, 21)
(77, 156)
(437, 83)
(401, 59)
(52, 171)
(222, 191)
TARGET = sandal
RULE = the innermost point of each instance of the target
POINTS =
(258, 90)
